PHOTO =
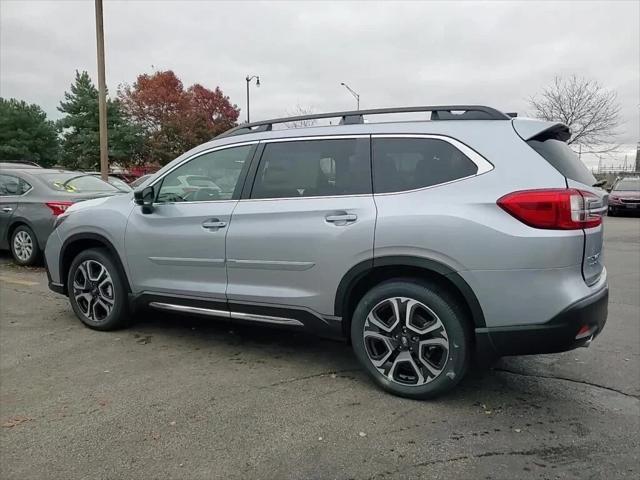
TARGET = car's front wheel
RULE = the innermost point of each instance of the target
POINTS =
(24, 246)
(412, 338)
(97, 290)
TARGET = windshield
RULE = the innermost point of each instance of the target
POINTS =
(74, 183)
(628, 185)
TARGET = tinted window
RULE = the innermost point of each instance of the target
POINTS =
(408, 163)
(311, 168)
(563, 159)
(627, 185)
(212, 176)
(10, 185)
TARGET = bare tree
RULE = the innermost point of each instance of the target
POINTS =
(591, 112)
(300, 111)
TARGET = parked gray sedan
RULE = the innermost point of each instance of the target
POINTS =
(30, 201)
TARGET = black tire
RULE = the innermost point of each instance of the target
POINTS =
(19, 236)
(98, 318)
(611, 212)
(457, 328)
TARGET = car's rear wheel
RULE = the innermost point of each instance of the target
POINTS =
(24, 246)
(97, 290)
(411, 338)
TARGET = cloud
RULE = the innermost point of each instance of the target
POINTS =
(494, 53)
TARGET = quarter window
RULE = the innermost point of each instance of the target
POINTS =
(312, 168)
(401, 164)
(12, 186)
(211, 176)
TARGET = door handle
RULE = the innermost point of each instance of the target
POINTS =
(7, 209)
(213, 224)
(341, 219)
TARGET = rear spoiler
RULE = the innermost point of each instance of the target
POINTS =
(540, 130)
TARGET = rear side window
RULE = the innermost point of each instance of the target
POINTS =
(563, 159)
(12, 186)
(312, 168)
(401, 164)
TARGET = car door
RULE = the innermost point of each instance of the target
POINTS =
(309, 217)
(179, 247)
(10, 189)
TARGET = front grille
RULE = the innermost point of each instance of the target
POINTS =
(630, 200)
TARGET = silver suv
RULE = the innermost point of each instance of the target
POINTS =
(423, 243)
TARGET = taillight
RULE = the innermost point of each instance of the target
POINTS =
(58, 208)
(554, 209)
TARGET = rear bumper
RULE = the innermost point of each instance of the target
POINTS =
(574, 327)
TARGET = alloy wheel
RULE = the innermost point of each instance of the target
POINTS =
(93, 290)
(406, 341)
(23, 245)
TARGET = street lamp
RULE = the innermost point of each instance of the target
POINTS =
(248, 79)
(356, 96)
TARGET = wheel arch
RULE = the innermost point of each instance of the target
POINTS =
(75, 244)
(364, 275)
(15, 223)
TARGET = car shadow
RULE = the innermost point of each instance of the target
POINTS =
(317, 354)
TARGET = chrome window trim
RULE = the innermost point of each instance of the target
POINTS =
(193, 157)
(316, 137)
(19, 178)
(484, 165)
(305, 198)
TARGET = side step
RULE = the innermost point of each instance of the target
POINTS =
(226, 314)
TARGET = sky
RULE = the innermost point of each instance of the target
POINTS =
(496, 53)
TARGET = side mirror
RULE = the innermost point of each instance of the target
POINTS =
(145, 198)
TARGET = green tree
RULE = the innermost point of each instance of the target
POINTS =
(81, 132)
(26, 134)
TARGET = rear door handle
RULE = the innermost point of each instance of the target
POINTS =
(213, 224)
(7, 209)
(341, 219)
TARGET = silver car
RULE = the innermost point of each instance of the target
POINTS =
(425, 244)
(32, 198)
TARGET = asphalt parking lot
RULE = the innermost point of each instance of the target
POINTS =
(190, 398)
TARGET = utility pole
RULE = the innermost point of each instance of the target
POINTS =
(102, 94)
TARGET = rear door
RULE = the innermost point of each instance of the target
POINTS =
(560, 155)
(308, 218)
(9, 191)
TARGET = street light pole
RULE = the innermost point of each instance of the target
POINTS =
(248, 79)
(102, 94)
(356, 96)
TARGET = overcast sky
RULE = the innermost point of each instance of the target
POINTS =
(493, 53)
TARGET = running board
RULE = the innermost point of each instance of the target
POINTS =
(226, 314)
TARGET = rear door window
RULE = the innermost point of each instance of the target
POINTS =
(312, 168)
(563, 159)
(401, 164)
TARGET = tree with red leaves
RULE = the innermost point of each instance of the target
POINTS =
(173, 118)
